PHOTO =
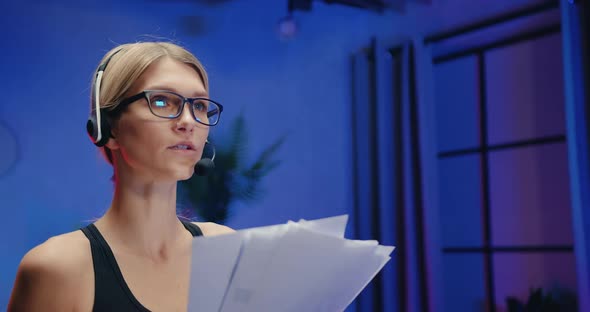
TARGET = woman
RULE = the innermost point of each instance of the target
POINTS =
(154, 121)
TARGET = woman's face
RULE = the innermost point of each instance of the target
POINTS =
(149, 145)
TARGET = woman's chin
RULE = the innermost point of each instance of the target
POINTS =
(176, 173)
(182, 175)
(184, 178)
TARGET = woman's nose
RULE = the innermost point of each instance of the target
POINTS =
(186, 121)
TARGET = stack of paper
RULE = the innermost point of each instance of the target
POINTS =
(298, 266)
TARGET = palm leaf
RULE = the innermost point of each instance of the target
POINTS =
(264, 164)
(236, 147)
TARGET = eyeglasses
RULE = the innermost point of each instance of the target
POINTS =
(169, 105)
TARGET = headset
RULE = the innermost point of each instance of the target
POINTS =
(205, 165)
(99, 129)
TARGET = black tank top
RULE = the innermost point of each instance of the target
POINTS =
(111, 293)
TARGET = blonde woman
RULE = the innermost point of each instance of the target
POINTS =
(152, 123)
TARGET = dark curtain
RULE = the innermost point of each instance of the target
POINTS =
(387, 174)
(576, 29)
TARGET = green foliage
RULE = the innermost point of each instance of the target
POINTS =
(232, 180)
(558, 300)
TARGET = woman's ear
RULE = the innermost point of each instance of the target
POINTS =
(112, 143)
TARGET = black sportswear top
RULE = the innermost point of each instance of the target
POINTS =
(111, 293)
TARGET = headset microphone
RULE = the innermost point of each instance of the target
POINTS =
(205, 166)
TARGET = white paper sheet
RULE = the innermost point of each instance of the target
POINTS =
(334, 226)
(298, 266)
(212, 264)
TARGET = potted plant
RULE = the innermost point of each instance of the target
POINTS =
(210, 198)
(557, 300)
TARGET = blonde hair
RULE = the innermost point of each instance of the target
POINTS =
(128, 62)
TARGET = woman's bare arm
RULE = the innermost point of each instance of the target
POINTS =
(50, 277)
(211, 229)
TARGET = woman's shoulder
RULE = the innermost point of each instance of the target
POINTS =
(61, 252)
(62, 257)
(211, 228)
(53, 271)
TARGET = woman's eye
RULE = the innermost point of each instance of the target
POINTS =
(201, 106)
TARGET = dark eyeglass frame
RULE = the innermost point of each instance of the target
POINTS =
(145, 94)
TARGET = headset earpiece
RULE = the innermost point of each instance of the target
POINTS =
(92, 129)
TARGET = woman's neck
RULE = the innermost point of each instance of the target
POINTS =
(142, 218)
